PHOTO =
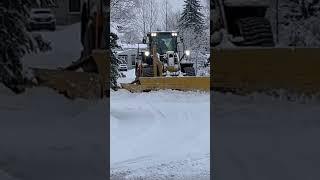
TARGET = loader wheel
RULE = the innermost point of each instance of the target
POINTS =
(147, 72)
(190, 71)
(256, 31)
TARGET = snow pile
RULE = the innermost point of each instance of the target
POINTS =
(129, 76)
(160, 134)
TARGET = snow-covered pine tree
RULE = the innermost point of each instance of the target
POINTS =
(114, 73)
(15, 42)
(191, 24)
(299, 22)
(191, 17)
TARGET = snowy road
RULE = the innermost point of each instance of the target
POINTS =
(45, 136)
(263, 138)
(160, 135)
(66, 47)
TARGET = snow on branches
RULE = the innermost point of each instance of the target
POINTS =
(15, 42)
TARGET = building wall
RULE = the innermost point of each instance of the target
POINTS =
(130, 56)
(63, 14)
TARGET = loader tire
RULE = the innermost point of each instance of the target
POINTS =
(190, 71)
(147, 72)
(256, 31)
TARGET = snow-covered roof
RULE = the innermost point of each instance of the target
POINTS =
(134, 46)
(125, 52)
(246, 3)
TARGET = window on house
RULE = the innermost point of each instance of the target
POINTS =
(74, 5)
(133, 57)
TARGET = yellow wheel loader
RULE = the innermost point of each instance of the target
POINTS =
(165, 66)
(86, 77)
(246, 58)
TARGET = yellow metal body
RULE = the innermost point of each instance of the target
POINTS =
(157, 66)
(186, 83)
(172, 69)
(258, 69)
(159, 82)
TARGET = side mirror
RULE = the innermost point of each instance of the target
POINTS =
(144, 41)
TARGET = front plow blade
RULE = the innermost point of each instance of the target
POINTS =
(71, 84)
(186, 83)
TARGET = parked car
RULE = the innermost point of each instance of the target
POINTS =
(42, 18)
(123, 67)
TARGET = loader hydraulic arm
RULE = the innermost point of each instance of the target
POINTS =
(99, 26)
(157, 66)
(220, 6)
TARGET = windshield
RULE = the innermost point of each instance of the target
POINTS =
(165, 42)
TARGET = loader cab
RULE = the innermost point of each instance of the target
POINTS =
(165, 41)
(233, 13)
(247, 23)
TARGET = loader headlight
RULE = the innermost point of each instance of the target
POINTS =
(174, 34)
(153, 34)
(187, 52)
(147, 53)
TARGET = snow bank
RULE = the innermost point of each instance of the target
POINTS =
(160, 134)
(130, 76)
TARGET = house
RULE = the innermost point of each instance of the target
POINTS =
(68, 11)
(127, 57)
(128, 53)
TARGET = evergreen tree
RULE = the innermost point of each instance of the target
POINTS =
(114, 62)
(191, 25)
(16, 41)
(299, 22)
(192, 18)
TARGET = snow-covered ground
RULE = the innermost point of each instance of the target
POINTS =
(43, 135)
(259, 137)
(160, 135)
(156, 135)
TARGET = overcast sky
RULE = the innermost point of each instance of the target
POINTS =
(177, 4)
